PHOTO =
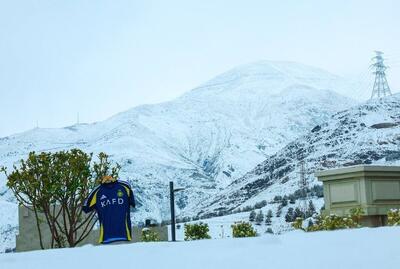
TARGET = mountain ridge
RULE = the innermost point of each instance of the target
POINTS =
(364, 134)
(201, 140)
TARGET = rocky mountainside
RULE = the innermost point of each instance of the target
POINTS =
(203, 140)
(365, 134)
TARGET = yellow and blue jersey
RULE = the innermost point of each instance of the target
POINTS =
(112, 202)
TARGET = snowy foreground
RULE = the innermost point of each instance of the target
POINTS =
(361, 248)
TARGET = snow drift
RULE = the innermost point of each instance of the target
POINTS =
(359, 248)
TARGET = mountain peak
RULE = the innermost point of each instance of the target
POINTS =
(268, 78)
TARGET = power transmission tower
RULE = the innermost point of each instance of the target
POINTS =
(381, 86)
(303, 184)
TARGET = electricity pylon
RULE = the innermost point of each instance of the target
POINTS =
(381, 86)
(303, 184)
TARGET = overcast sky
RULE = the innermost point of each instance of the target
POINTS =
(58, 58)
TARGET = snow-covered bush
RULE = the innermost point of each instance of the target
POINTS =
(149, 235)
(333, 222)
(243, 229)
(394, 217)
(298, 224)
(197, 231)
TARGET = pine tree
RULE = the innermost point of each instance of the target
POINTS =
(289, 217)
(259, 217)
(260, 204)
(252, 216)
(284, 202)
(279, 212)
(269, 230)
(310, 223)
(298, 213)
(292, 199)
(269, 213)
(268, 220)
(311, 209)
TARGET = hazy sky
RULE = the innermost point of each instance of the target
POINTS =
(58, 58)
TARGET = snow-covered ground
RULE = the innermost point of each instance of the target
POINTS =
(367, 248)
(221, 227)
(8, 225)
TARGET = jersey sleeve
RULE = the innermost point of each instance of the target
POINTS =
(129, 191)
(90, 202)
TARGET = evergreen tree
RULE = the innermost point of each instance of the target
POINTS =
(259, 217)
(279, 212)
(289, 217)
(252, 215)
(260, 204)
(311, 209)
(269, 230)
(292, 199)
(298, 213)
(284, 202)
(247, 208)
(310, 223)
(268, 220)
(269, 213)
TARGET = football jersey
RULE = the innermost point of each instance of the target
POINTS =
(112, 202)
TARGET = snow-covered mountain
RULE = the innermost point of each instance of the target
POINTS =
(365, 134)
(202, 140)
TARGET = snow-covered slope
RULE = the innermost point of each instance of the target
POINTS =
(365, 134)
(8, 227)
(291, 250)
(202, 140)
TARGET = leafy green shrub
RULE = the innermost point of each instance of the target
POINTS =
(333, 222)
(298, 224)
(243, 229)
(56, 184)
(149, 235)
(197, 231)
(394, 217)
